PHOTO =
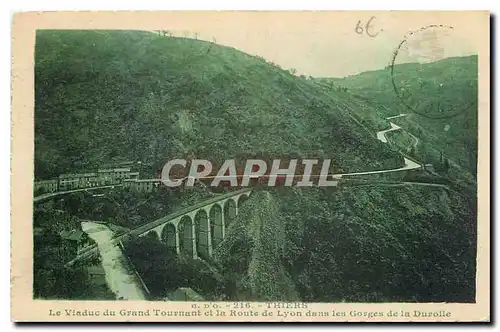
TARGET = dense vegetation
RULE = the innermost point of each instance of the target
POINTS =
(125, 207)
(122, 95)
(163, 271)
(51, 279)
(104, 95)
(120, 207)
(358, 244)
(445, 88)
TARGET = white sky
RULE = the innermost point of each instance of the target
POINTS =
(326, 43)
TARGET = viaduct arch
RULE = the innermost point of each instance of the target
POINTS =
(200, 230)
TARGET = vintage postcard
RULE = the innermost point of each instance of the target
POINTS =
(303, 166)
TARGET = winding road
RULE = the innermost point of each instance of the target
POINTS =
(58, 193)
(396, 116)
(381, 136)
(121, 277)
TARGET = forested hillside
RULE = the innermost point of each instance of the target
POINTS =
(106, 95)
(377, 244)
(124, 95)
(440, 99)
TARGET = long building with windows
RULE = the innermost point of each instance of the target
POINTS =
(111, 176)
(46, 186)
(102, 177)
(76, 181)
(142, 185)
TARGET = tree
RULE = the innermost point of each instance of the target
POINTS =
(164, 33)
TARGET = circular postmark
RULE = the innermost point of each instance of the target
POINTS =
(430, 75)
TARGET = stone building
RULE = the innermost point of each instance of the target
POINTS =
(46, 186)
(142, 185)
(112, 176)
(86, 180)
(103, 177)
(68, 182)
(78, 180)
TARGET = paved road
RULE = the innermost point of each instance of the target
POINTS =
(409, 164)
(121, 278)
(399, 184)
(381, 134)
(50, 195)
(396, 116)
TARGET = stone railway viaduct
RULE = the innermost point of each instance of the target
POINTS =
(195, 230)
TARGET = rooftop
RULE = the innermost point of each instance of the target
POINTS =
(77, 175)
(110, 170)
(73, 235)
(46, 181)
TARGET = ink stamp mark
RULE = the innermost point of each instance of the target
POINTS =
(421, 92)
